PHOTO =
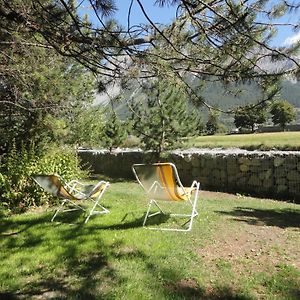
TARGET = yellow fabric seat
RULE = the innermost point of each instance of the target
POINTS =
(73, 192)
(161, 182)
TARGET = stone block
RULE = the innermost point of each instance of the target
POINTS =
(281, 188)
(267, 183)
(293, 175)
(281, 181)
(223, 174)
(255, 169)
(278, 161)
(241, 181)
(291, 163)
(255, 162)
(188, 158)
(294, 188)
(280, 172)
(233, 171)
(196, 172)
(216, 173)
(265, 174)
(244, 160)
(244, 167)
(196, 162)
(255, 181)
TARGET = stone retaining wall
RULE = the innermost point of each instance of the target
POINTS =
(263, 173)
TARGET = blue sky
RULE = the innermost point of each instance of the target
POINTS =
(156, 13)
(286, 36)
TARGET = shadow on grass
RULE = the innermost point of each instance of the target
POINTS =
(67, 274)
(79, 271)
(282, 218)
(8, 227)
(186, 289)
(136, 223)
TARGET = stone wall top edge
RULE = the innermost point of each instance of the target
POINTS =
(199, 151)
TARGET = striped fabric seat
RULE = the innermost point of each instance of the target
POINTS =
(72, 192)
(161, 182)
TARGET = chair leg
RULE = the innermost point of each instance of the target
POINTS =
(194, 211)
(148, 215)
(191, 216)
(59, 208)
(96, 203)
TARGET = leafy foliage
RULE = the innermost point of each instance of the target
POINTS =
(282, 113)
(204, 40)
(18, 192)
(164, 117)
(115, 131)
(38, 86)
(248, 116)
(86, 127)
(212, 125)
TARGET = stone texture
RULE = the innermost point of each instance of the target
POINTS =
(244, 167)
(278, 161)
(293, 175)
(248, 172)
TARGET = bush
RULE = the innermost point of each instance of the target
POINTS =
(131, 142)
(18, 192)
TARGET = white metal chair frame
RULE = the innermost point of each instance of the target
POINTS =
(195, 187)
(73, 191)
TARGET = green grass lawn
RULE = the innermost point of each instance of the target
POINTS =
(263, 141)
(239, 248)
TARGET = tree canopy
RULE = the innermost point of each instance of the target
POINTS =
(47, 47)
(282, 113)
(248, 116)
(163, 117)
(214, 40)
(37, 85)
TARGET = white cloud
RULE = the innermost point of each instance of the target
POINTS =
(292, 39)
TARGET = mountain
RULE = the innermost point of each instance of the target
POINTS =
(215, 93)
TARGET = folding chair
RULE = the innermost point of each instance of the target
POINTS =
(72, 192)
(161, 183)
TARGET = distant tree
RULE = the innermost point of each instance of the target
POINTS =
(248, 116)
(86, 126)
(282, 113)
(212, 124)
(115, 132)
(163, 117)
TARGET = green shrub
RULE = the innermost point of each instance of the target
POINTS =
(18, 191)
(63, 161)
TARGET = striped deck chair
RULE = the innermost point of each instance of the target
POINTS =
(73, 192)
(161, 182)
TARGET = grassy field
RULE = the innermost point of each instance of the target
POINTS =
(263, 141)
(239, 248)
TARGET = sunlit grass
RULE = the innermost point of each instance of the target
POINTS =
(113, 257)
(264, 141)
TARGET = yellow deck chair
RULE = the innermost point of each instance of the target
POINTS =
(73, 192)
(161, 183)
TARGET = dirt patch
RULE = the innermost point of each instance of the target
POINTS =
(219, 195)
(260, 248)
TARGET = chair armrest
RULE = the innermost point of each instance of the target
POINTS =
(75, 186)
(195, 185)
